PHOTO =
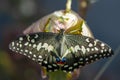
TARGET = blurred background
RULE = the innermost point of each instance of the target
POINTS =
(103, 17)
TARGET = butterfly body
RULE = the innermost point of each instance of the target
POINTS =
(60, 51)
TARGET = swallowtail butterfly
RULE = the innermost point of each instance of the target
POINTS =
(60, 51)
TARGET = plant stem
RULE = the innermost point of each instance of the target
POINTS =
(68, 5)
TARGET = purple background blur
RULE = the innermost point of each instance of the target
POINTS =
(103, 17)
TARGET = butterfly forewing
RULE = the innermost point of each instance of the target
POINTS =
(83, 50)
(38, 47)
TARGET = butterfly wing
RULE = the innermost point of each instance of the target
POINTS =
(38, 47)
(82, 50)
(45, 48)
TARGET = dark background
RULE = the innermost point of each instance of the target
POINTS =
(103, 17)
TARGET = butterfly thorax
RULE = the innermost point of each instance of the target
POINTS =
(61, 48)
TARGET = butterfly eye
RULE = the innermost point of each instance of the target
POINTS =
(63, 59)
(57, 59)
